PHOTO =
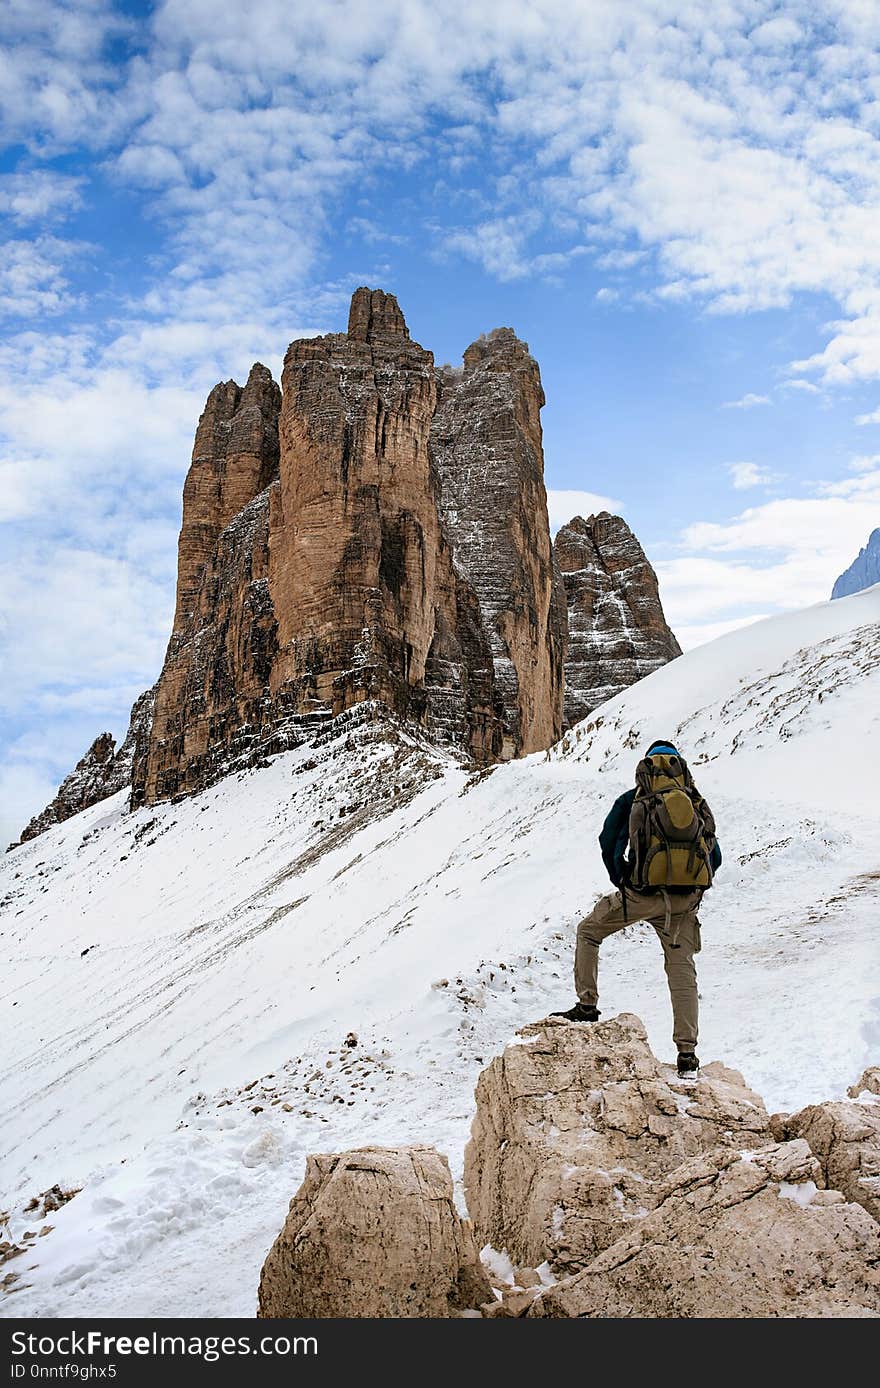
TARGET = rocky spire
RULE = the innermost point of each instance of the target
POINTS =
(235, 456)
(617, 630)
(486, 447)
(375, 314)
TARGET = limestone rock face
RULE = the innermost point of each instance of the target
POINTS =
(100, 773)
(486, 446)
(575, 1127)
(369, 603)
(617, 630)
(215, 677)
(234, 458)
(375, 533)
(735, 1235)
(845, 1139)
(373, 1232)
(212, 695)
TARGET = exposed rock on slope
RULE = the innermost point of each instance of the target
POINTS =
(617, 630)
(373, 1232)
(845, 1138)
(735, 1235)
(574, 1127)
(101, 772)
(867, 1083)
(330, 554)
(863, 572)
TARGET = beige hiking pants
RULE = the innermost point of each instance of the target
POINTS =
(606, 918)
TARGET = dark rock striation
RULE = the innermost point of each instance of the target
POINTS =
(617, 632)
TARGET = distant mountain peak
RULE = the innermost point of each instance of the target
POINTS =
(863, 572)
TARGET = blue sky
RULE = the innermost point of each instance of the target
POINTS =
(676, 204)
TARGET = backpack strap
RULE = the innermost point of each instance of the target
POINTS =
(667, 923)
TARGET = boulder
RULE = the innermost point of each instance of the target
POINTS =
(867, 1083)
(576, 1125)
(735, 1234)
(844, 1138)
(374, 1232)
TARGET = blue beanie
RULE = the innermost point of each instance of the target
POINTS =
(662, 746)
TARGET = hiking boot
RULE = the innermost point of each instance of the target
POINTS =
(581, 1012)
(688, 1064)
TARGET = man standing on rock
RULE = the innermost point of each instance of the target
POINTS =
(659, 846)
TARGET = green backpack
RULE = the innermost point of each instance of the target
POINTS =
(671, 829)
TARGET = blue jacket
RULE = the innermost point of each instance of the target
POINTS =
(614, 839)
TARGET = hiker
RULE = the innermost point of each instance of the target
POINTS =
(659, 846)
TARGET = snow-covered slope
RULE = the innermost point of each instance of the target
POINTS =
(178, 984)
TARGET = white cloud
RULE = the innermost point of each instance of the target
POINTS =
(606, 295)
(705, 139)
(745, 475)
(57, 88)
(864, 462)
(33, 278)
(777, 33)
(872, 418)
(784, 554)
(26, 785)
(39, 196)
(499, 245)
(372, 233)
(746, 402)
(620, 260)
(563, 506)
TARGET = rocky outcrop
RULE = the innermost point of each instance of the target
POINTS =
(486, 447)
(734, 1234)
(576, 1126)
(602, 1185)
(100, 773)
(617, 632)
(845, 1139)
(374, 1232)
(375, 533)
(867, 1083)
(863, 572)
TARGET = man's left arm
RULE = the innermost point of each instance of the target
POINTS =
(615, 836)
